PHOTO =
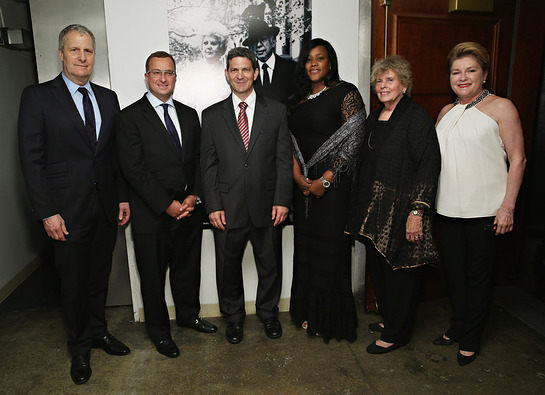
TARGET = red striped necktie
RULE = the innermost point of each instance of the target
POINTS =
(243, 124)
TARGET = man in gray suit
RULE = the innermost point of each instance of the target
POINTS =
(246, 165)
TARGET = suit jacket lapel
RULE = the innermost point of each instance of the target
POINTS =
(62, 94)
(157, 125)
(230, 120)
(184, 128)
(260, 114)
(104, 109)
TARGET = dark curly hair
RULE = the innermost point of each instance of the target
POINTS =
(302, 82)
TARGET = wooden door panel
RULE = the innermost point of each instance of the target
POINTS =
(424, 32)
(425, 40)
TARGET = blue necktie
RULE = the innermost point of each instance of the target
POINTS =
(172, 130)
(90, 125)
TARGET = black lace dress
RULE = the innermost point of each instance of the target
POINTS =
(321, 293)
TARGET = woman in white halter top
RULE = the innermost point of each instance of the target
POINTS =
(479, 134)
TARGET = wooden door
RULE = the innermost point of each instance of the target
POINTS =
(424, 32)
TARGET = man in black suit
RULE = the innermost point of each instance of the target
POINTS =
(277, 74)
(68, 157)
(246, 163)
(158, 148)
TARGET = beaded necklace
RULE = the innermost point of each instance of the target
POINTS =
(479, 99)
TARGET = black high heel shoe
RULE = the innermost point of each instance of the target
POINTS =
(375, 326)
(374, 348)
(464, 360)
(441, 341)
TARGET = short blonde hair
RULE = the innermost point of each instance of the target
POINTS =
(399, 65)
(469, 48)
(215, 29)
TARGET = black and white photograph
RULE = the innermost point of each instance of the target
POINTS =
(201, 32)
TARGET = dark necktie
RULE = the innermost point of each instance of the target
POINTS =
(243, 124)
(266, 78)
(90, 125)
(172, 130)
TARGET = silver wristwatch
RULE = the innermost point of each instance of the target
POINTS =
(416, 212)
(325, 183)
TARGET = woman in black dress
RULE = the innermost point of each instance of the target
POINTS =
(326, 121)
(392, 205)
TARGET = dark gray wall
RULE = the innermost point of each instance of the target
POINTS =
(534, 186)
(21, 239)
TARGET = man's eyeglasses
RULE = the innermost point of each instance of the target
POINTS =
(158, 73)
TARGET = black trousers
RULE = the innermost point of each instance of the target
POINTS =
(468, 251)
(267, 247)
(397, 296)
(84, 262)
(180, 250)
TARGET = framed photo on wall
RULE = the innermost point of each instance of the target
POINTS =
(201, 32)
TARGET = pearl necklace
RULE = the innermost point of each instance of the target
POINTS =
(315, 95)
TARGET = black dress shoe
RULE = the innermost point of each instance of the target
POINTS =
(200, 325)
(111, 345)
(168, 348)
(373, 348)
(375, 326)
(80, 371)
(234, 332)
(441, 341)
(463, 360)
(273, 329)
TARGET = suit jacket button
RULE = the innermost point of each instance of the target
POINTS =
(246, 165)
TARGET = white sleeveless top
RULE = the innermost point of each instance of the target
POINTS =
(473, 176)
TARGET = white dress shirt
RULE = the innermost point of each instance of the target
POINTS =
(157, 105)
(250, 101)
(78, 100)
(271, 62)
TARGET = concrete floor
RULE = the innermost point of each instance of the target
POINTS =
(34, 358)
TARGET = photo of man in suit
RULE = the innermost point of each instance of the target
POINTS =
(246, 165)
(276, 74)
(158, 148)
(68, 158)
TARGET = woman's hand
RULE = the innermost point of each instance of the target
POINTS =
(504, 221)
(317, 189)
(414, 229)
(303, 184)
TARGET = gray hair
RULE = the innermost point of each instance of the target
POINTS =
(399, 65)
(75, 27)
(244, 53)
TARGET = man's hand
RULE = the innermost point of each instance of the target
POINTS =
(217, 219)
(175, 210)
(55, 228)
(279, 214)
(124, 213)
(188, 205)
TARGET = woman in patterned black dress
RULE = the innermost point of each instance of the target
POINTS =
(392, 205)
(326, 121)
